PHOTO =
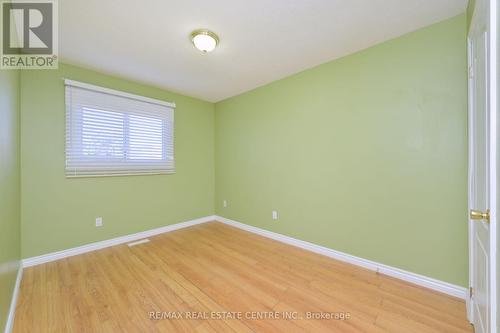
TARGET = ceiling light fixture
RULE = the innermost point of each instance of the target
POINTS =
(204, 40)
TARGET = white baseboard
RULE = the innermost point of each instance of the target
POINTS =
(15, 294)
(417, 279)
(414, 278)
(111, 242)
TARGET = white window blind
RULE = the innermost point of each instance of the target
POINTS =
(111, 133)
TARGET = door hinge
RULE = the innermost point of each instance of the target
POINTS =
(471, 72)
(471, 292)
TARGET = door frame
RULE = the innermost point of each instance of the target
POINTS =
(493, 155)
(494, 132)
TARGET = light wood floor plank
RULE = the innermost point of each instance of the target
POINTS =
(213, 269)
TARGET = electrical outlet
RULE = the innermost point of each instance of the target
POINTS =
(224, 203)
(275, 215)
(98, 222)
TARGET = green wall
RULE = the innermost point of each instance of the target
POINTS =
(366, 154)
(350, 153)
(59, 213)
(10, 240)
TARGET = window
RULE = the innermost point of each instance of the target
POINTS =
(111, 133)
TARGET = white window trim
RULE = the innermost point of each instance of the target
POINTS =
(91, 87)
(116, 93)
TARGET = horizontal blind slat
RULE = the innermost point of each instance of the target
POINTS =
(114, 135)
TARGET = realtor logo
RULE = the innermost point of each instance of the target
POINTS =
(29, 34)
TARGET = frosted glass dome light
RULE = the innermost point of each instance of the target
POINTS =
(204, 40)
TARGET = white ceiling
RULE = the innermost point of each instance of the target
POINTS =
(261, 40)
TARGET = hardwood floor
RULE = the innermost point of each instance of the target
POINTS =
(226, 275)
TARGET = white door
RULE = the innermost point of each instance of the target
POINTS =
(481, 172)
